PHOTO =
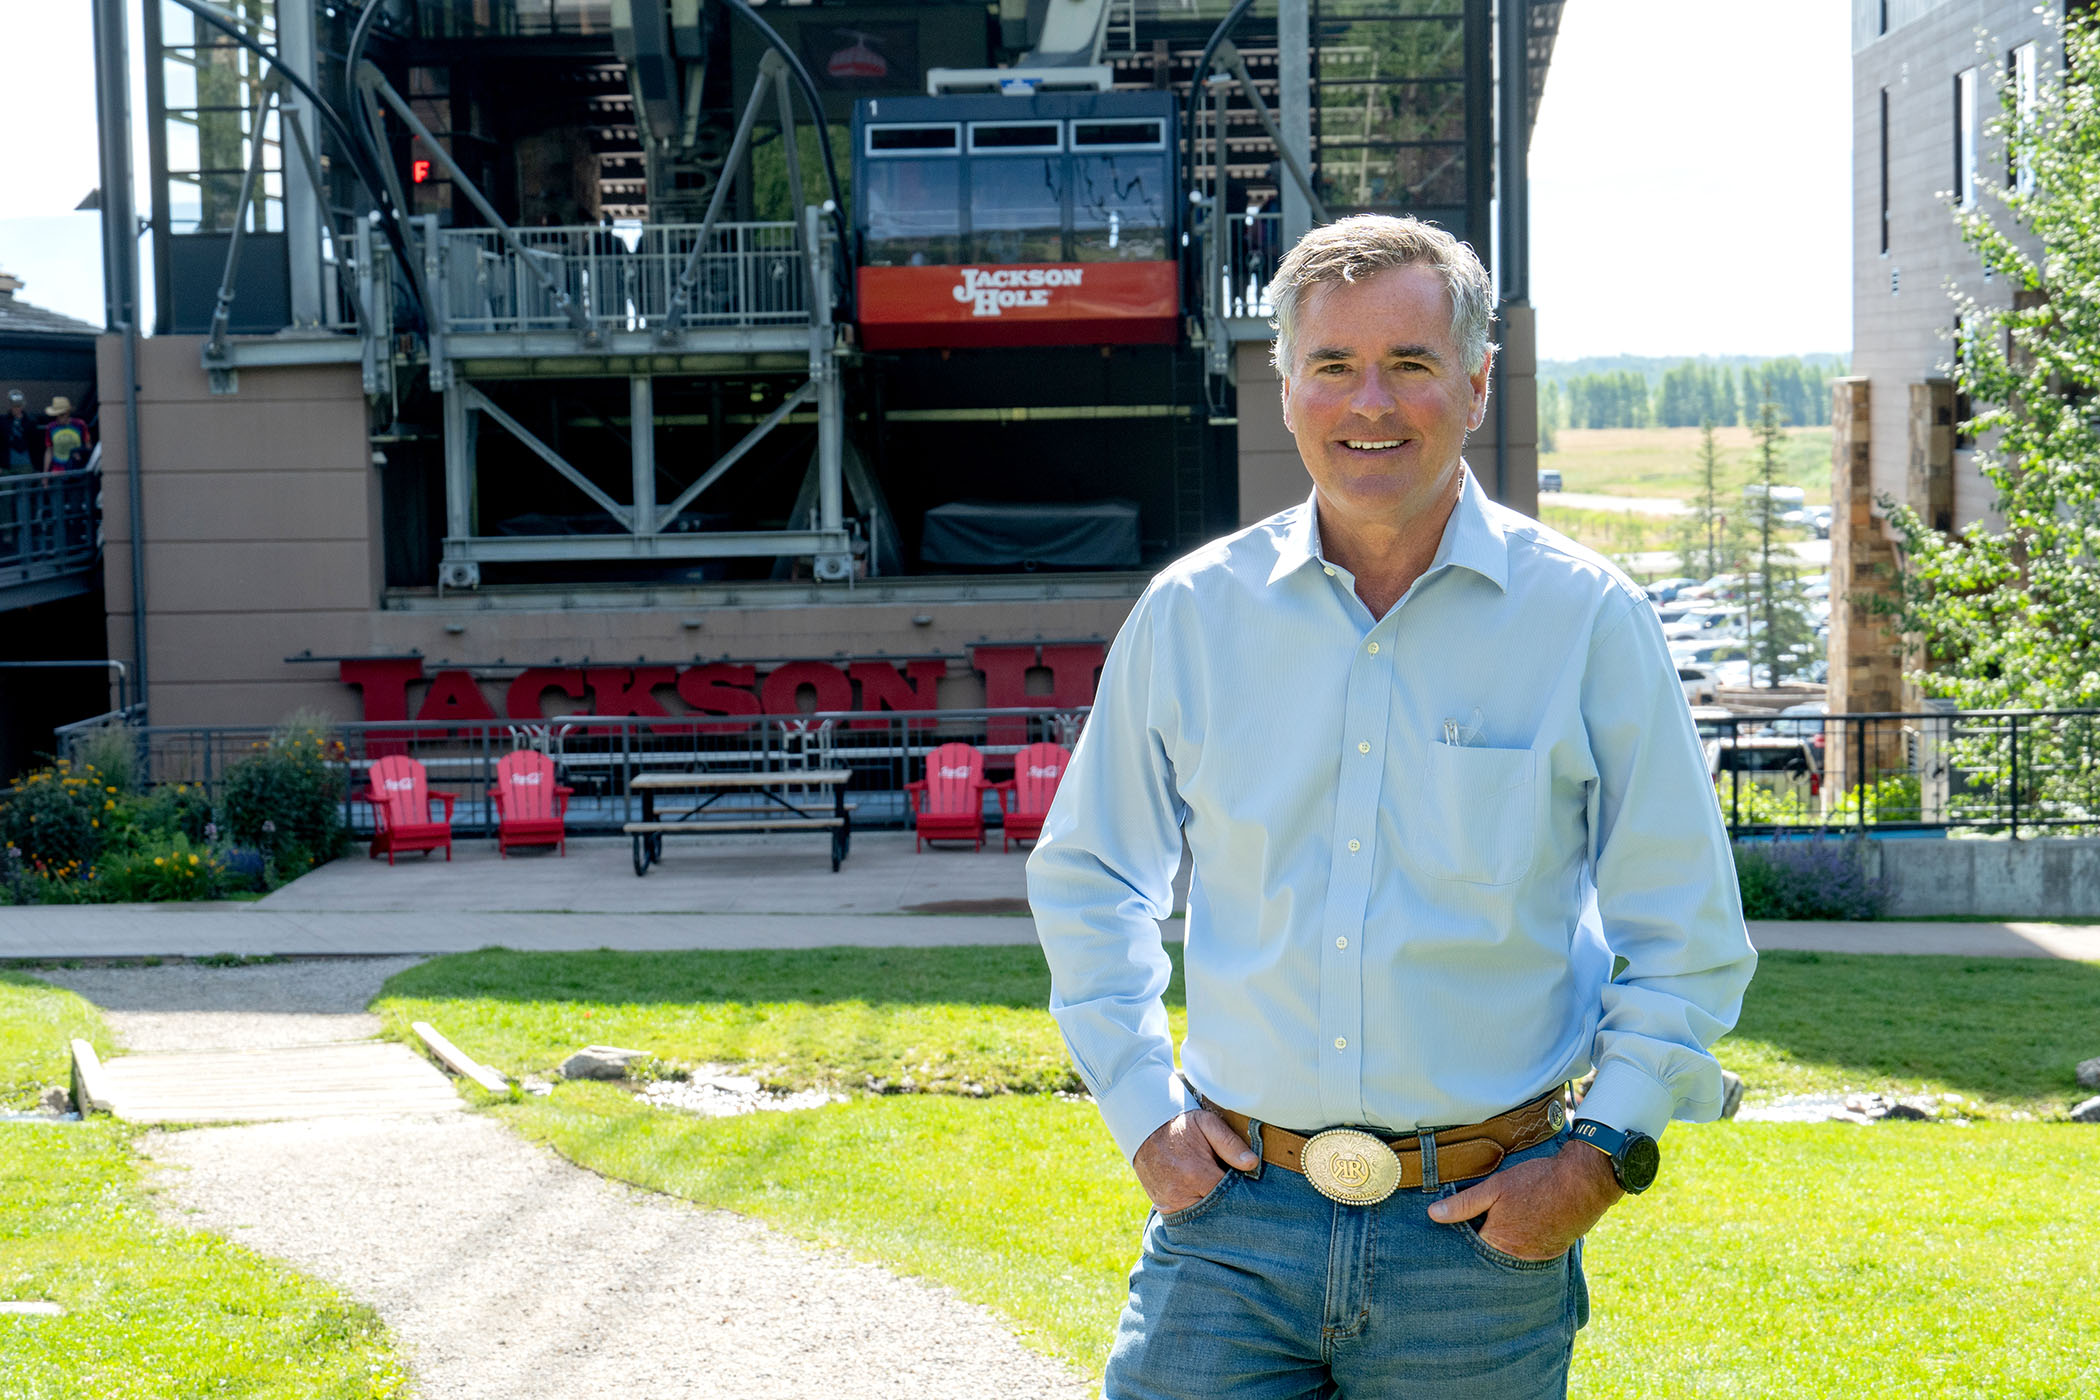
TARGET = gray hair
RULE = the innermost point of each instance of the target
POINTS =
(1354, 248)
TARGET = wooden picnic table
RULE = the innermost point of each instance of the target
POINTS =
(772, 809)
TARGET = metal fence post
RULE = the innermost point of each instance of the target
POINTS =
(2013, 724)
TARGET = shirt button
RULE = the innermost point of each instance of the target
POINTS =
(1374, 648)
(1328, 570)
(1341, 942)
(1341, 1042)
(1363, 746)
(1356, 845)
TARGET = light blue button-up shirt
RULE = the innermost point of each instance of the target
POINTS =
(1419, 841)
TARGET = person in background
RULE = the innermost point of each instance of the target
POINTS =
(24, 441)
(66, 438)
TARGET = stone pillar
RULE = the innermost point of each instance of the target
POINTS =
(1930, 484)
(1866, 652)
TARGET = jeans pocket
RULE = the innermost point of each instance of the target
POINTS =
(1509, 1262)
(1211, 1197)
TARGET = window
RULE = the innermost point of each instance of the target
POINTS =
(1119, 207)
(1883, 27)
(1135, 135)
(2026, 81)
(904, 140)
(1884, 172)
(914, 211)
(1015, 136)
(1017, 209)
(1965, 139)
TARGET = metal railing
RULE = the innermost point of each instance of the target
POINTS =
(599, 756)
(2020, 772)
(1253, 246)
(50, 525)
(623, 278)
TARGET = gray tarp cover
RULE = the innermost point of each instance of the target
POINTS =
(1077, 535)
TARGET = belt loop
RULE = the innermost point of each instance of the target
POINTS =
(1254, 1141)
(1427, 1138)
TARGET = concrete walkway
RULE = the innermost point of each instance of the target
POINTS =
(722, 892)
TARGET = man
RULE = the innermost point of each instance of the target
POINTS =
(24, 441)
(65, 437)
(1436, 771)
(21, 444)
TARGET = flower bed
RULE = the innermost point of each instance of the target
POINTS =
(92, 832)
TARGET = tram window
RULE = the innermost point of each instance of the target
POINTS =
(914, 212)
(903, 140)
(1015, 136)
(1119, 208)
(1147, 135)
(1017, 210)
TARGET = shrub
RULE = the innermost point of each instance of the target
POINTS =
(170, 810)
(113, 751)
(56, 816)
(286, 798)
(1820, 878)
(169, 869)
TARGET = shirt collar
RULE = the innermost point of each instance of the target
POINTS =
(1473, 538)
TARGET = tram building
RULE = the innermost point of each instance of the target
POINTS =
(522, 357)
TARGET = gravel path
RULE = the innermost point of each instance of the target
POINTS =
(507, 1273)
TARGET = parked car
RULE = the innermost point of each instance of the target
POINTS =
(1805, 722)
(1698, 682)
(1777, 765)
(1819, 521)
(1665, 590)
(1549, 479)
(1784, 498)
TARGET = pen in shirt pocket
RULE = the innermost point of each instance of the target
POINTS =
(1461, 735)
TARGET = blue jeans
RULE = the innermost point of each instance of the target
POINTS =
(1267, 1290)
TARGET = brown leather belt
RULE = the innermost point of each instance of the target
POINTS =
(1462, 1153)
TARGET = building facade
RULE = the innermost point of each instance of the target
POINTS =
(1928, 78)
(524, 357)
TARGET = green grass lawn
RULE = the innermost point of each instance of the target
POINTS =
(150, 1311)
(1811, 1260)
(1665, 461)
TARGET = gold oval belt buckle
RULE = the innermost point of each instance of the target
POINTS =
(1351, 1167)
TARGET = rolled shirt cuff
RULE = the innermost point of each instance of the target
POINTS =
(1625, 1098)
(1148, 1096)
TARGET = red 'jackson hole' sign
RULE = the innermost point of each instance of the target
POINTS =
(1108, 303)
(457, 695)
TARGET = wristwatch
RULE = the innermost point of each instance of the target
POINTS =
(1634, 1155)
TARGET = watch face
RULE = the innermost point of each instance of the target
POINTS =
(1638, 1162)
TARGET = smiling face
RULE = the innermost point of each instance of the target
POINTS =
(1379, 399)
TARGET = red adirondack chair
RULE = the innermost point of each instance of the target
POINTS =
(1037, 770)
(948, 803)
(529, 806)
(400, 796)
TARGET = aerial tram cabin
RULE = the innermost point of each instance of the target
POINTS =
(1050, 219)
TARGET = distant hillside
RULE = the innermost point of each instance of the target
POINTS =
(1651, 367)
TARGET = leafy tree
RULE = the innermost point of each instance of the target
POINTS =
(2010, 617)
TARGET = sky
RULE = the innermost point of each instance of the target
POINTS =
(1691, 179)
(1675, 140)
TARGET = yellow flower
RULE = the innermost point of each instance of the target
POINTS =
(94, 823)
(109, 806)
(158, 860)
(193, 860)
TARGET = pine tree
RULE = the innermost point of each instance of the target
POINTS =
(1778, 625)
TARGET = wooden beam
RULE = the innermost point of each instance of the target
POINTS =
(90, 1086)
(459, 1061)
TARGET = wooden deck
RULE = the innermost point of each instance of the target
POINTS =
(312, 1081)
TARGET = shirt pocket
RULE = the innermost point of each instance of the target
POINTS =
(1477, 821)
